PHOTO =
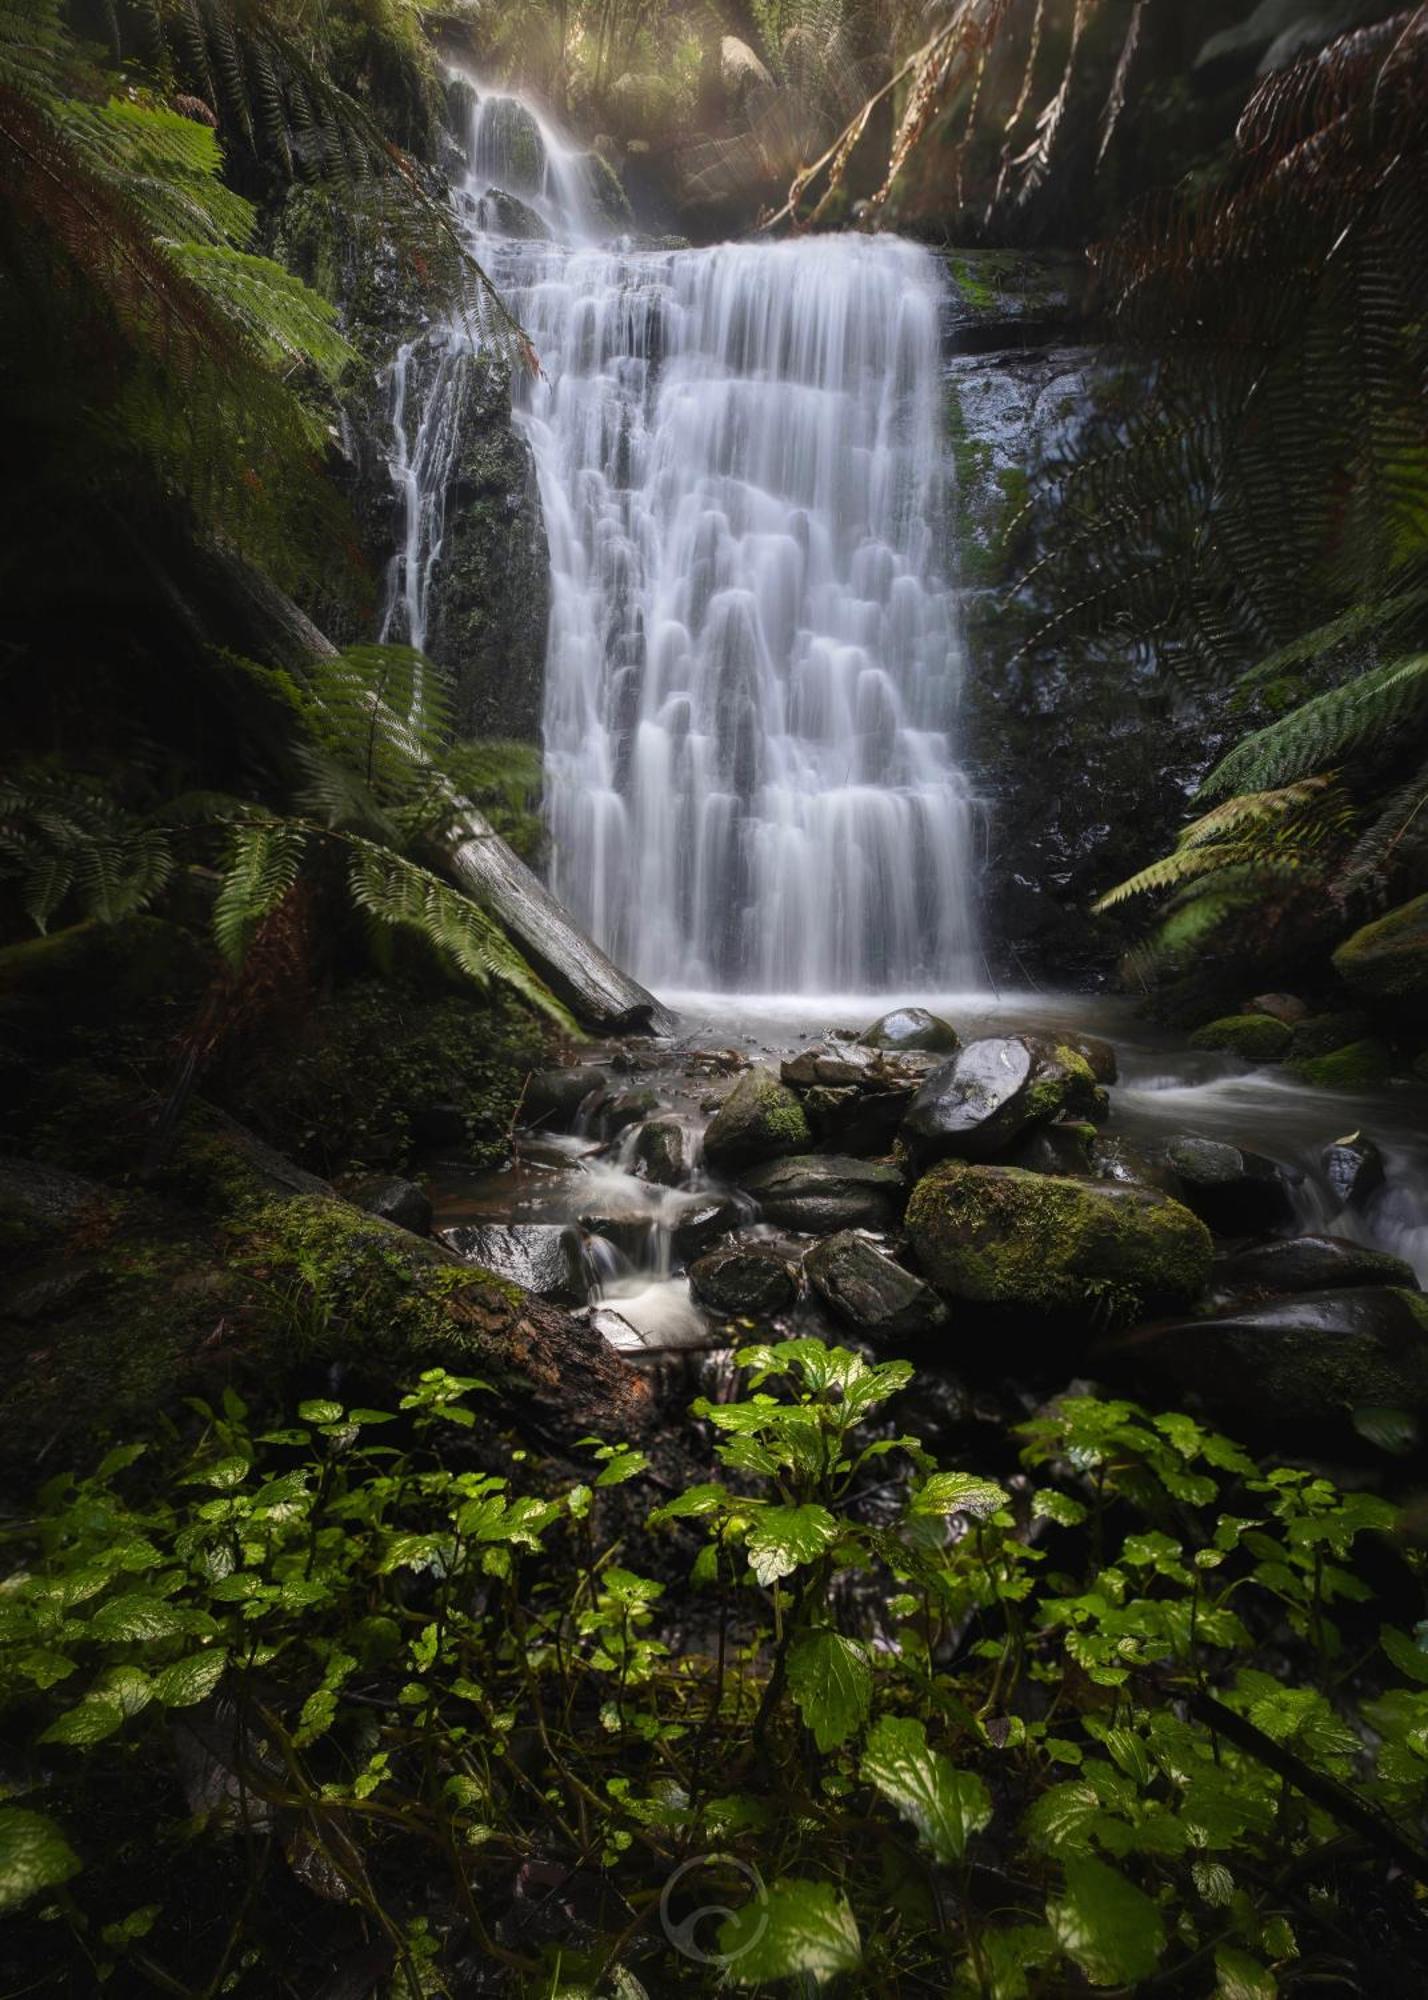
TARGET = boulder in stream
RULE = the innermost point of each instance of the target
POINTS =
(975, 1106)
(1354, 1169)
(1308, 1264)
(1006, 1237)
(744, 1281)
(662, 1151)
(1251, 1037)
(913, 1028)
(541, 1257)
(1235, 1192)
(817, 1193)
(698, 1221)
(1306, 1360)
(555, 1097)
(760, 1119)
(867, 1288)
(395, 1200)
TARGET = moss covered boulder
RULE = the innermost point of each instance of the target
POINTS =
(1006, 1237)
(1361, 1065)
(760, 1119)
(1388, 959)
(1252, 1037)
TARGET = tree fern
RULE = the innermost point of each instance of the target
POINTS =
(262, 868)
(1368, 711)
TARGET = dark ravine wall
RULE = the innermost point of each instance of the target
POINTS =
(1083, 761)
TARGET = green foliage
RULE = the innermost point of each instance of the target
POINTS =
(444, 1681)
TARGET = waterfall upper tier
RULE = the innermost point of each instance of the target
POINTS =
(753, 660)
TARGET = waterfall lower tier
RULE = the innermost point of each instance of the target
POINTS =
(753, 659)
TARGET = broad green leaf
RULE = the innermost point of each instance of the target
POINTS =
(694, 1502)
(782, 1538)
(316, 1410)
(136, 1615)
(1064, 1816)
(1006, 1956)
(1406, 1653)
(44, 1666)
(1109, 1927)
(958, 1493)
(1241, 1977)
(1394, 1431)
(832, 1684)
(945, 1805)
(792, 1929)
(224, 1473)
(34, 1855)
(190, 1680)
(87, 1723)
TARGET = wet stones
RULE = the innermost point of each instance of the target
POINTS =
(1354, 1169)
(555, 1097)
(1006, 1237)
(1308, 1264)
(909, 1028)
(1235, 1192)
(855, 1097)
(865, 1287)
(541, 1257)
(663, 1151)
(395, 1200)
(978, 1104)
(744, 1282)
(1317, 1357)
(760, 1119)
(699, 1221)
(817, 1193)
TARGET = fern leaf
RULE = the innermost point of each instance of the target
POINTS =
(262, 868)
(1366, 711)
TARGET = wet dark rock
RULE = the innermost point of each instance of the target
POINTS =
(629, 1107)
(975, 1106)
(1309, 1359)
(662, 1151)
(1321, 1034)
(873, 1293)
(1002, 1236)
(760, 1119)
(840, 1065)
(1237, 1193)
(1121, 1160)
(744, 1282)
(1308, 1264)
(626, 1220)
(1354, 1169)
(913, 1028)
(817, 1193)
(700, 1221)
(396, 1200)
(555, 1097)
(541, 1257)
(856, 1121)
(1056, 1149)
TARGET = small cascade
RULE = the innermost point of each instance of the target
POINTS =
(753, 659)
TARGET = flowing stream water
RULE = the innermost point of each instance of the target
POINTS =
(752, 680)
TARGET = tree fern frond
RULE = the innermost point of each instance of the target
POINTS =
(1173, 871)
(1366, 711)
(263, 866)
(1257, 810)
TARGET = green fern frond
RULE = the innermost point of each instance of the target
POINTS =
(1256, 810)
(1173, 871)
(263, 866)
(1367, 711)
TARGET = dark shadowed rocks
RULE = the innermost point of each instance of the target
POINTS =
(1308, 1264)
(913, 1028)
(760, 1119)
(744, 1281)
(396, 1200)
(1235, 1192)
(541, 1257)
(817, 1193)
(867, 1288)
(979, 1103)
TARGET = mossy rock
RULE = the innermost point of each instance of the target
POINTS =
(1253, 1037)
(1359, 1066)
(1006, 1237)
(760, 1119)
(1321, 1034)
(980, 1103)
(1388, 959)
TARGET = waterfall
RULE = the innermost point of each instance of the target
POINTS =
(753, 658)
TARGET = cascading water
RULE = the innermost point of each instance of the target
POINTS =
(753, 657)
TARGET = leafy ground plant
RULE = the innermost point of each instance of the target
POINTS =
(374, 1694)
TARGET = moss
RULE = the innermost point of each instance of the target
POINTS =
(1388, 959)
(1254, 1037)
(1358, 1066)
(1321, 1034)
(1004, 1236)
(760, 1119)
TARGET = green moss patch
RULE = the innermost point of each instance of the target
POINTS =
(1254, 1037)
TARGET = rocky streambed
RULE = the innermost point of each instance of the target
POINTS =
(1011, 1194)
